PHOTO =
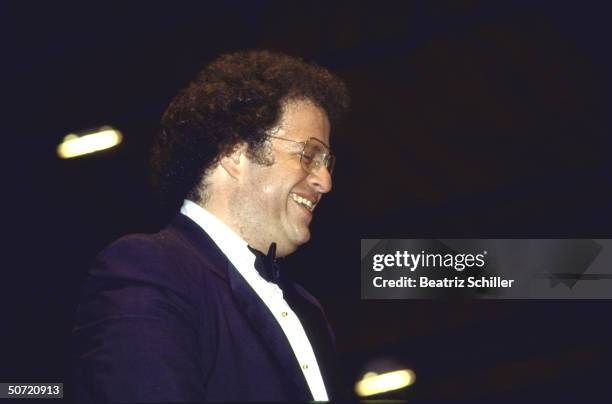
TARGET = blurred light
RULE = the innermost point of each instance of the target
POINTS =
(373, 383)
(89, 142)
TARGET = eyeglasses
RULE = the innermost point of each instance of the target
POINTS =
(314, 155)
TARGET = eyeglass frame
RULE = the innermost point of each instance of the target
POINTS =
(329, 159)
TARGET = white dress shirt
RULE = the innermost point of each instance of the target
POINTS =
(236, 250)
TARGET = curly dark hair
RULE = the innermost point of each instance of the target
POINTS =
(236, 98)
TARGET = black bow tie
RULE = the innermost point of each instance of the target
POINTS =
(266, 265)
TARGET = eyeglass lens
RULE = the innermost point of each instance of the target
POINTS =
(315, 156)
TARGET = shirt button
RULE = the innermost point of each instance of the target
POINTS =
(304, 367)
(284, 314)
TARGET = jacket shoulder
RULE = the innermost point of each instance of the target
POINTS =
(161, 259)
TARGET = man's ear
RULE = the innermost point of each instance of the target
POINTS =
(234, 162)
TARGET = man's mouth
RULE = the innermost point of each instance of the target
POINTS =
(306, 203)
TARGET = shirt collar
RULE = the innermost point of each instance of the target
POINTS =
(230, 243)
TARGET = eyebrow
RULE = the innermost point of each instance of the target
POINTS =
(322, 142)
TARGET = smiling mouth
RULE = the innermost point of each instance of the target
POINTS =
(306, 203)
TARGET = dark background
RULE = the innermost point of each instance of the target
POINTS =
(469, 119)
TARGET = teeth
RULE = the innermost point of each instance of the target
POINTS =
(303, 201)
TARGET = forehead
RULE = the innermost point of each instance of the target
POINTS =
(302, 119)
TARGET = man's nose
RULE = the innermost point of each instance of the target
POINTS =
(321, 180)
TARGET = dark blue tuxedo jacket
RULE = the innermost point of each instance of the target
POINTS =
(167, 317)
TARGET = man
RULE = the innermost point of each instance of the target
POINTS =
(200, 311)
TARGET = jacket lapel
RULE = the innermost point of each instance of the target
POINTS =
(264, 323)
(253, 308)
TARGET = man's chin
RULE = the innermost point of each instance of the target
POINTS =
(290, 246)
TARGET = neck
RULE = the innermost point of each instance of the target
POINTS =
(223, 213)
